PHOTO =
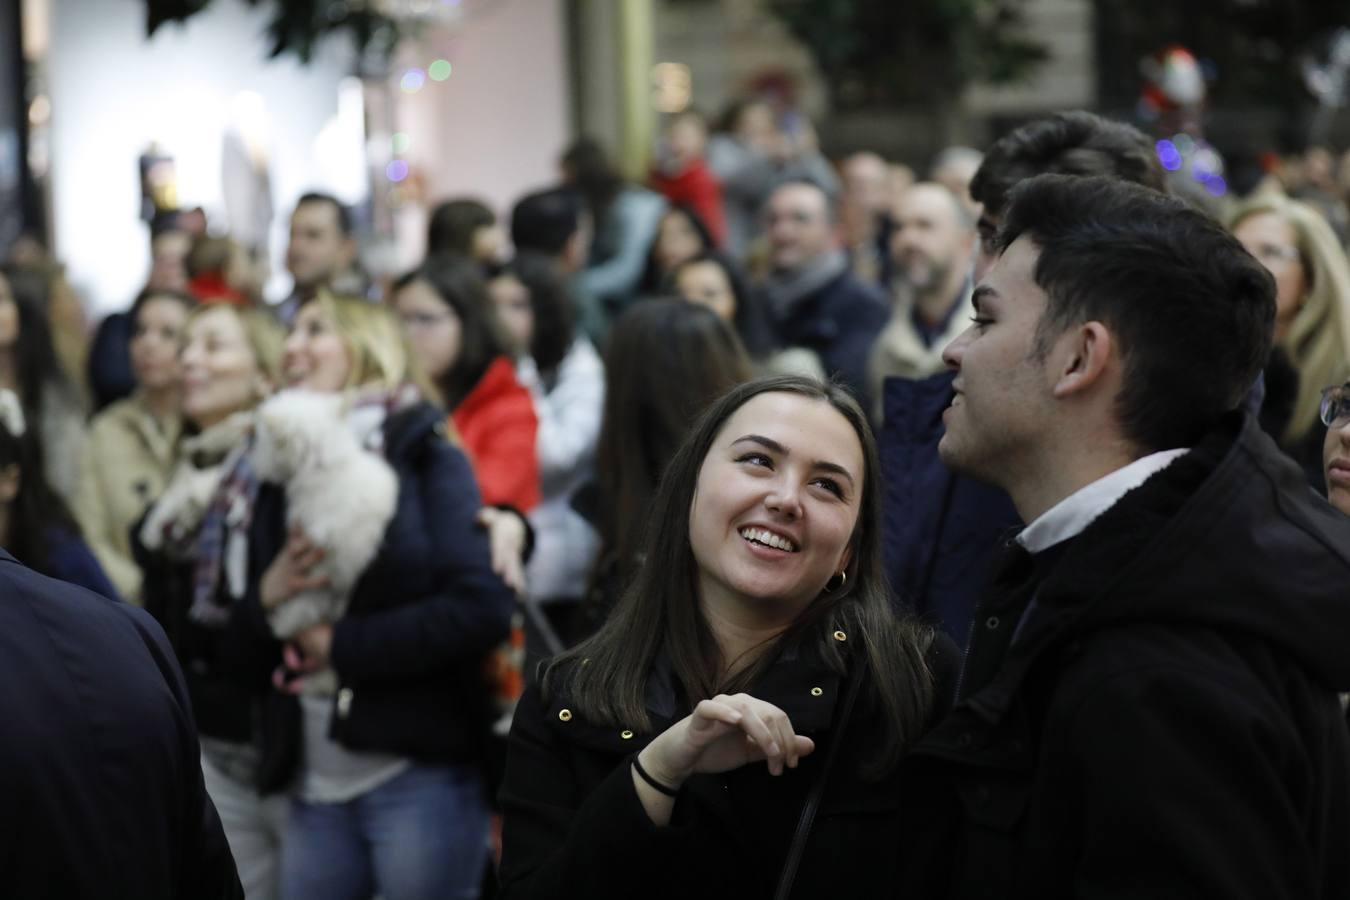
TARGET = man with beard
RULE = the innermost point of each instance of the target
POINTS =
(812, 299)
(930, 251)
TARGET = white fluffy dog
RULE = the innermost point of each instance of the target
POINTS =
(340, 494)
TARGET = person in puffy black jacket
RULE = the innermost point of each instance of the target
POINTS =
(753, 671)
(1149, 705)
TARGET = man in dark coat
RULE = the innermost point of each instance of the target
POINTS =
(941, 526)
(1149, 702)
(812, 299)
(99, 764)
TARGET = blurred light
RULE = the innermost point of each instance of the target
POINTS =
(1216, 185)
(1207, 161)
(40, 110)
(401, 141)
(672, 87)
(1168, 155)
(412, 82)
(439, 70)
(1184, 143)
(396, 171)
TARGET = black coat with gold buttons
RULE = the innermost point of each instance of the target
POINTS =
(574, 826)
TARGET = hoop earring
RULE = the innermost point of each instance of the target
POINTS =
(837, 582)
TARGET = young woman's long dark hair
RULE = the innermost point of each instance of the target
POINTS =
(653, 279)
(36, 364)
(660, 613)
(750, 319)
(36, 510)
(665, 361)
(459, 283)
(551, 303)
(594, 177)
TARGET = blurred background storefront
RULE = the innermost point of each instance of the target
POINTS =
(112, 108)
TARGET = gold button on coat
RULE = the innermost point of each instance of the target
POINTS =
(840, 636)
(626, 735)
(816, 692)
(565, 715)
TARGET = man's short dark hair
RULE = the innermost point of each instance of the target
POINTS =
(344, 215)
(1067, 143)
(1193, 312)
(831, 200)
(453, 224)
(543, 222)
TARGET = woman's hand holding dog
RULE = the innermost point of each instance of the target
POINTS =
(292, 571)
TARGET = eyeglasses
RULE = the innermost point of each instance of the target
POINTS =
(1336, 405)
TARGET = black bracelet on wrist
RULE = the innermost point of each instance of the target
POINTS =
(656, 785)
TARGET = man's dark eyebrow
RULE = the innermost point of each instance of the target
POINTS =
(771, 444)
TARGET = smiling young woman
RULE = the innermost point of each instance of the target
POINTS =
(757, 618)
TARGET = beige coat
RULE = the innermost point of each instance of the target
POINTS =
(124, 467)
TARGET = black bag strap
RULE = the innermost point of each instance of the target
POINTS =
(812, 804)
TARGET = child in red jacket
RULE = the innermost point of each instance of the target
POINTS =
(683, 176)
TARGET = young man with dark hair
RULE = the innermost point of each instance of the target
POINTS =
(554, 223)
(1067, 143)
(1149, 701)
(941, 528)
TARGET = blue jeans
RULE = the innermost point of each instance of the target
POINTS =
(421, 836)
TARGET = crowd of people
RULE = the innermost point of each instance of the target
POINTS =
(777, 526)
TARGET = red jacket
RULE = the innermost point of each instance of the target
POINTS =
(497, 424)
(697, 188)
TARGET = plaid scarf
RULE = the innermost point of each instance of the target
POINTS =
(222, 541)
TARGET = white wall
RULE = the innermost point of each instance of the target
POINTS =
(113, 92)
(497, 126)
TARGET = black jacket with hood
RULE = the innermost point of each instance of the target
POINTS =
(1164, 722)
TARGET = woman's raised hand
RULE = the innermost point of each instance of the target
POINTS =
(725, 733)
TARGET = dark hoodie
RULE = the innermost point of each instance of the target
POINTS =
(1165, 722)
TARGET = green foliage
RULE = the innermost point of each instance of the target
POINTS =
(297, 26)
(875, 52)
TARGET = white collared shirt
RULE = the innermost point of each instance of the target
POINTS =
(1070, 516)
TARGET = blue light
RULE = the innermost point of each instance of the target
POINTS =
(1169, 156)
(396, 171)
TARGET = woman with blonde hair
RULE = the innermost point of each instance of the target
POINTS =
(389, 798)
(1312, 316)
(195, 551)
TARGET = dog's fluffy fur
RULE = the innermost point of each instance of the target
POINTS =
(340, 494)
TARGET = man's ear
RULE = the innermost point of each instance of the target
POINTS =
(1083, 355)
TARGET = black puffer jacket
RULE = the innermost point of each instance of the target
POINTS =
(1165, 723)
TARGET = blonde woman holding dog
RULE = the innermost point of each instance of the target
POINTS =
(193, 548)
(389, 798)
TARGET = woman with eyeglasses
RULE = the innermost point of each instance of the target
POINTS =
(1336, 447)
(1312, 317)
(447, 317)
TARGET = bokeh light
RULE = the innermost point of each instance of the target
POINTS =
(401, 141)
(439, 70)
(1169, 155)
(396, 171)
(412, 82)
